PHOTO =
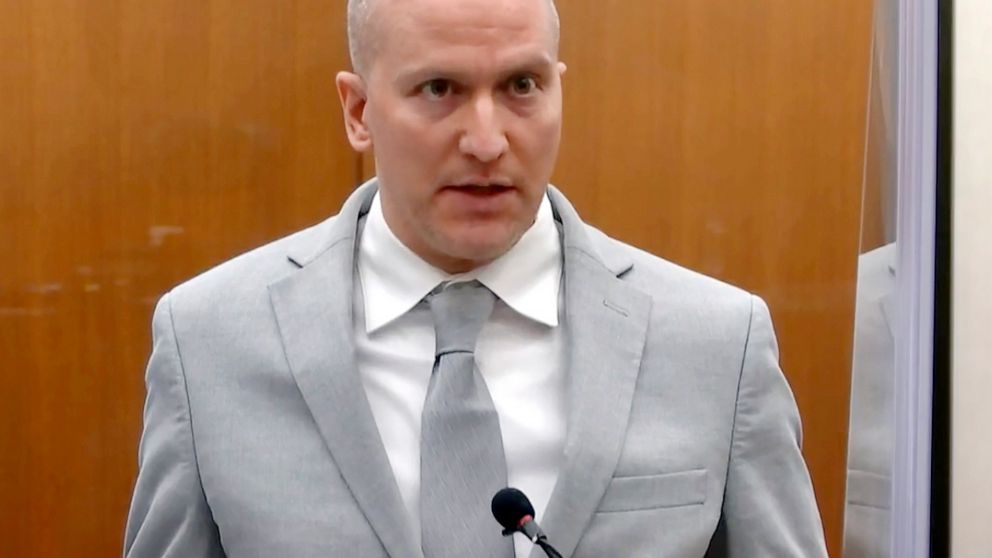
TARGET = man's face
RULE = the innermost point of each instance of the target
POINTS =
(463, 110)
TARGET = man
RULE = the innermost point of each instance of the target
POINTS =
(310, 398)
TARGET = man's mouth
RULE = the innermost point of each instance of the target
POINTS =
(481, 189)
(481, 186)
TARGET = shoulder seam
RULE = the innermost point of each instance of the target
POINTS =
(189, 406)
(737, 398)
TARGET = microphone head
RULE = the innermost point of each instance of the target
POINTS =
(510, 506)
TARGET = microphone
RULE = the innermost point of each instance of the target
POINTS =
(514, 512)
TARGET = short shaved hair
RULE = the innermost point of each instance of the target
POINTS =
(361, 45)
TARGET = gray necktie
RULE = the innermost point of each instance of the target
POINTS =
(461, 450)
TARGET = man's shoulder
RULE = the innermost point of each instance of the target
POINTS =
(249, 274)
(665, 281)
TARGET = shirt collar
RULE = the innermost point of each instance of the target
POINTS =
(394, 279)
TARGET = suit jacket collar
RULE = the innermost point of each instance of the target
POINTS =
(606, 323)
(313, 308)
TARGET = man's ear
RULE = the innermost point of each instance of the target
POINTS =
(352, 91)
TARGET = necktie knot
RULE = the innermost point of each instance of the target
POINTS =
(459, 310)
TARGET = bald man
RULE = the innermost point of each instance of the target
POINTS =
(301, 397)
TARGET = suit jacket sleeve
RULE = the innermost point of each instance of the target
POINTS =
(769, 507)
(169, 514)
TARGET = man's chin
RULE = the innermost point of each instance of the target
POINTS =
(468, 253)
(482, 253)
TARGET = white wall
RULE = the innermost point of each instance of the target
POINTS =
(971, 481)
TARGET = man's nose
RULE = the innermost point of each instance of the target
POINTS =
(483, 137)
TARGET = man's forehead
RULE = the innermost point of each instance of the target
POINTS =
(425, 15)
(403, 30)
(484, 5)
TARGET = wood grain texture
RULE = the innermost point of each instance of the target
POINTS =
(878, 225)
(142, 142)
(729, 137)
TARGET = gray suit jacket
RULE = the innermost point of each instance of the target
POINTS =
(683, 435)
(867, 515)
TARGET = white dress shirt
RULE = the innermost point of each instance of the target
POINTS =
(520, 353)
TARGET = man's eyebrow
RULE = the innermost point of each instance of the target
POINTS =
(423, 73)
(538, 64)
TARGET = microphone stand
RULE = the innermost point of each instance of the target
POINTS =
(548, 549)
(540, 540)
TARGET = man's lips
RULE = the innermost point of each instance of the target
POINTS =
(481, 183)
(481, 190)
(477, 199)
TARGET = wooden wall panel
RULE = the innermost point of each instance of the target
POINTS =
(140, 143)
(729, 137)
(878, 225)
(143, 142)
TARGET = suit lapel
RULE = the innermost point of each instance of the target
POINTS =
(606, 323)
(313, 307)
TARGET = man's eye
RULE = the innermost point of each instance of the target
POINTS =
(523, 85)
(436, 88)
